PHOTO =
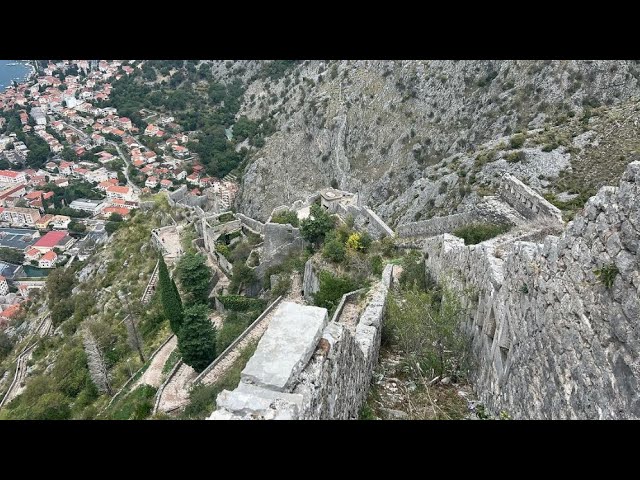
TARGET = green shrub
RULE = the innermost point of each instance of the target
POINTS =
(334, 249)
(281, 287)
(517, 140)
(137, 405)
(331, 290)
(479, 232)
(232, 327)
(317, 225)
(223, 249)
(483, 159)
(294, 262)
(413, 276)
(514, 157)
(388, 246)
(607, 274)
(197, 337)
(226, 217)
(425, 327)
(240, 303)
(286, 216)
(376, 265)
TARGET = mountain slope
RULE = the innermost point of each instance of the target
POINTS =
(377, 127)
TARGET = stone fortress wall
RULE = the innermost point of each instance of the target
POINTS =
(307, 367)
(515, 204)
(525, 200)
(549, 337)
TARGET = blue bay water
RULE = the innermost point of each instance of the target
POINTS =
(9, 72)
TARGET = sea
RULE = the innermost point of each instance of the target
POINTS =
(11, 70)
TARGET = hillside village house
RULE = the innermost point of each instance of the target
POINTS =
(4, 286)
(48, 260)
(60, 221)
(107, 183)
(20, 216)
(44, 221)
(151, 182)
(32, 254)
(92, 206)
(9, 176)
(116, 191)
(58, 239)
(122, 211)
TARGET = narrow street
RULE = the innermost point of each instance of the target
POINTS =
(130, 184)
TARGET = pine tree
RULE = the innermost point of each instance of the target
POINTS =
(194, 276)
(197, 339)
(170, 298)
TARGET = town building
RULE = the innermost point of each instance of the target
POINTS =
(20, 216)
(92, 206)
(117, 191)
(48, 260)
(56, 239)
(9, 176)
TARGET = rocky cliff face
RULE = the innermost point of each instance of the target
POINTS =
(395, 131)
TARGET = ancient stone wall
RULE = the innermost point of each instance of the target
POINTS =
(525, 200)
(192, 201)
(435, 226)
(551, 336)
(176, 195)
(377, 223)
(223, 262)
(323, 374)
(310, 280)
(250, 223)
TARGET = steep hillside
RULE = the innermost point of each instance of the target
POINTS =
(382, 128)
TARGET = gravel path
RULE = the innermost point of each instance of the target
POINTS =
(176, 393)
(228, 360)
(153, 374)
(350, 314)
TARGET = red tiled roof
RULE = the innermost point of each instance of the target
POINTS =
(9, 173)
(10, 311)
(120, 210)
(51, 239)
(35, 195)
(50, 255)
(118, 189)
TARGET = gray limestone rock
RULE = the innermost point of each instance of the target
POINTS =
(286, 346)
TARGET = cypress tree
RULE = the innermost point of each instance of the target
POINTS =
(197, 339)
(171, 303)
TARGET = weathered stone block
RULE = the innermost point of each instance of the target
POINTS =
(286, 346)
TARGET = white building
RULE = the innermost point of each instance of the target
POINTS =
(119, 192)
(92, 206)
(39, 116)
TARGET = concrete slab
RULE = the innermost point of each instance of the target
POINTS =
(286, 346)
(256, 402)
